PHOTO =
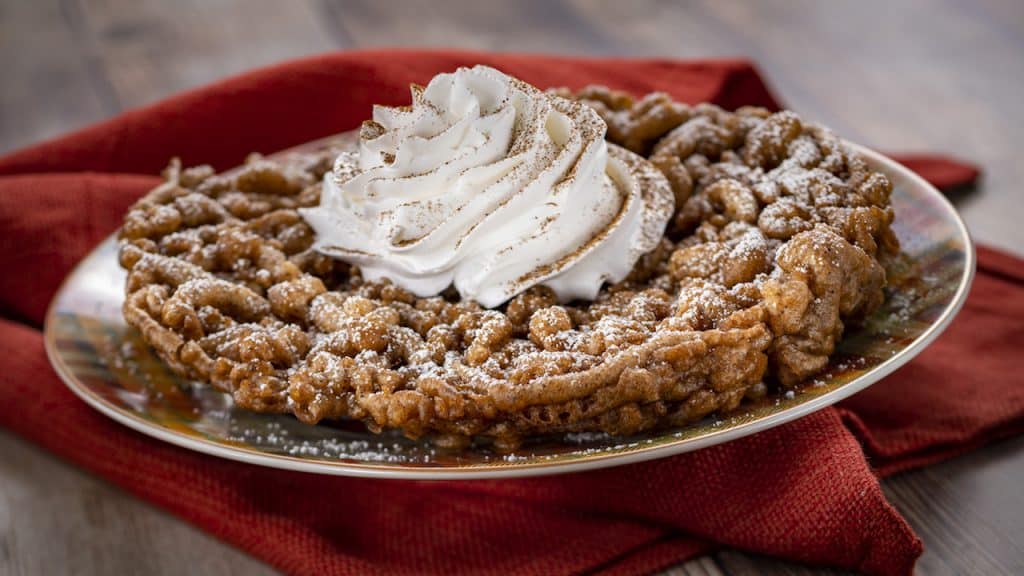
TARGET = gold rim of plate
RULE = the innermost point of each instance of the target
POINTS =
(108, 366)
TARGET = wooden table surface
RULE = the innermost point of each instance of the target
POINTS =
(937, 76)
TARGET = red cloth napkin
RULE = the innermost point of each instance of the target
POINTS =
(806, 491)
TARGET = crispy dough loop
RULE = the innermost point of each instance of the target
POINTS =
(634, 125)
(773, 250)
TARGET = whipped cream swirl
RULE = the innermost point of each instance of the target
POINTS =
(488, 183)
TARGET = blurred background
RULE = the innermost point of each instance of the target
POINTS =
(916, 75)
(928, 75)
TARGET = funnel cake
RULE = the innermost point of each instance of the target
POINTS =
(773, 249)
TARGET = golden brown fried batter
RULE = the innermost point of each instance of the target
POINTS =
(774, 246)
(634, 125)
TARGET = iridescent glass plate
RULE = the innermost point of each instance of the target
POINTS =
(107, 364)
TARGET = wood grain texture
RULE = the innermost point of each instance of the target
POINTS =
(151, 48)
(924, 75)
(49, 84)
(56, 519)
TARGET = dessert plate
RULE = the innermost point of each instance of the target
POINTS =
(107, 364)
